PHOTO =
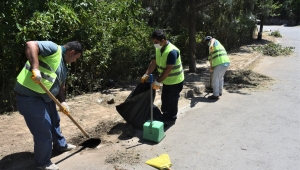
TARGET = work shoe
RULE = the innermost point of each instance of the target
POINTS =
(50, 166)
(67, 148)
(213, 97)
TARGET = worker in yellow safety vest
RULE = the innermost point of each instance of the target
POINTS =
(171, 76)
(47, 64)
(219, 63)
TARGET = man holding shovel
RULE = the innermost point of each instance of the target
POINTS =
(219, 63)
(168, 63)
(47, 63)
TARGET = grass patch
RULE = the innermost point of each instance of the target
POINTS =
(275, 34)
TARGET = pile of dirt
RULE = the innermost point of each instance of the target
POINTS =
(238, 79)
(120, 129)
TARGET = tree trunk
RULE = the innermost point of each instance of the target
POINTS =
(259, 36)
(192, 37)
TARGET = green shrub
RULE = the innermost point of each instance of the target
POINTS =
(275, 34)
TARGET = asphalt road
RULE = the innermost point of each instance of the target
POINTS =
(250, 130)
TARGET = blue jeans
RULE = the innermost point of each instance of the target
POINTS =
(42, 120)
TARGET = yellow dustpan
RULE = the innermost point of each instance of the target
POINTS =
(162, 162)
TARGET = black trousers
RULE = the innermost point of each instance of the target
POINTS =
(169, 99)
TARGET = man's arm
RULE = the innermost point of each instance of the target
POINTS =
(61, 97)
(211, 49)
(211, 46)
(32, 52)
(151, 67)
(165, 73)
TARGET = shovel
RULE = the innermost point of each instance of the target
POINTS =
(95, 140)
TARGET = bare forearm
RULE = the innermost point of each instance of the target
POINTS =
(212, 43)
(32, 52)
(165, 73)
(61, 97)
(151, 67)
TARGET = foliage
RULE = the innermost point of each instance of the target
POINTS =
(268, 8)
(276, 34)
(231, 22)
(274, 50)
(289, 10)
(116, 42)
(13, 13)
(114, 36)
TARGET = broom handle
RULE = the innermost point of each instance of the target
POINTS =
(151, 97)
(62, 108)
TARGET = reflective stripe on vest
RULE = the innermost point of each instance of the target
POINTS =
(47, 65)
(176, 75)
(219, 55)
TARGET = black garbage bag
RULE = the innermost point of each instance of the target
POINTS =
(136, 108)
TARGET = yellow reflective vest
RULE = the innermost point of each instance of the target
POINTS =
(219, 55)
(176, 75)
(47, 65)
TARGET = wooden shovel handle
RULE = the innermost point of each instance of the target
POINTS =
(62, 108)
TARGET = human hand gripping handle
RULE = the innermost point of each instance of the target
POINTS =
(36, 75)
(60, 106)
(144, 78)
(65, 109)
(211, 48)
(155, 85)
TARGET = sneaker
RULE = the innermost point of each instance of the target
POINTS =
(213, 97)
(50, 166)
(68, 148)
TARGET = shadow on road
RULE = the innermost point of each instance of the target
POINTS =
(203, 99)
(21, 160)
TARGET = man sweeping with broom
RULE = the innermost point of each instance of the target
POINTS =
(219, 63)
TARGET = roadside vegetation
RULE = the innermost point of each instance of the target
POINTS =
(275, 34)
(272, 49)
